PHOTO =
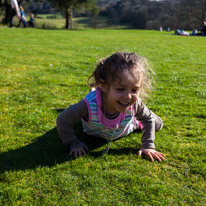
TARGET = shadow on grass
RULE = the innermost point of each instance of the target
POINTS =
(125, 151)
(48, 150)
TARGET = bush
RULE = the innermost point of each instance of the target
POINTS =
(52, 17)
(45, 25)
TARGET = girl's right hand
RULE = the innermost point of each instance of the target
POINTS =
(78, 150)
(152, 153)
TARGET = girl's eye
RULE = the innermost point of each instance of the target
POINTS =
(120, 89)
(134, 91)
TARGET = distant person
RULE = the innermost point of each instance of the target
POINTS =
(177, 32)
(14, 11)
(181, 32)
(31, 20)
(194, 32)
(114, 109)
(160, 29)
(204, 28)
(184, 33)
(23, 17)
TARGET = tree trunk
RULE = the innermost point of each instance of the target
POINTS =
(7, 9)
(69, 15)
(67, 18)
(70, 18)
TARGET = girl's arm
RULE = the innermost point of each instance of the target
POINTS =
(146, 117)
(150, 124)
(66, 121)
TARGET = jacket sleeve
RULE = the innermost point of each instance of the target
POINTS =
(146, 117)
(67, 119)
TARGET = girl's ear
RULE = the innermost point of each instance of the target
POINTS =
(103, 87)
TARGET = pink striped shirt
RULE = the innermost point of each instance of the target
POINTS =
(101, 126)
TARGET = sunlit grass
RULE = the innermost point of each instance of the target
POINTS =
(44, 71)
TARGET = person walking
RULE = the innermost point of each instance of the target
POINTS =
(14, 11)
(23, 17)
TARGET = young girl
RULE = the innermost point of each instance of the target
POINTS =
(114, 109)
(23, 17)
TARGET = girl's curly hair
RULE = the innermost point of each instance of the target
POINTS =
(111, 68)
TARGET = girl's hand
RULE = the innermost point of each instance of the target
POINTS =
(78, 150)
(152, 153)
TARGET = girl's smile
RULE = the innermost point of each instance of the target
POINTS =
(121, 94)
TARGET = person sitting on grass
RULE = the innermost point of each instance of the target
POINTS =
(31, 20)
(203, 30)
(114, 109)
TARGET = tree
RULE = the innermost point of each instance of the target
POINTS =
(5, 9)
(201, 10)
(67, 7)
(94, 12)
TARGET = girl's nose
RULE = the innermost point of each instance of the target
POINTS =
(128, 95)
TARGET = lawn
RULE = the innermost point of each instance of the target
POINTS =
(44, 71)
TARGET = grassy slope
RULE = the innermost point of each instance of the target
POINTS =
(34, 166)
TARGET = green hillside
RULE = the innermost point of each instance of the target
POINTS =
(44, 71)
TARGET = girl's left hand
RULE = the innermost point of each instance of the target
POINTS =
(152, 153)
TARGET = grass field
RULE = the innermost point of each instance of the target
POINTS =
(44, 71)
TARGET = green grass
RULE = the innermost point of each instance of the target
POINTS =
(44, 71)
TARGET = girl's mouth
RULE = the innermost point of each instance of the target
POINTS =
(124, 104)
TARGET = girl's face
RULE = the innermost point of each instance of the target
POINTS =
(121, 94)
